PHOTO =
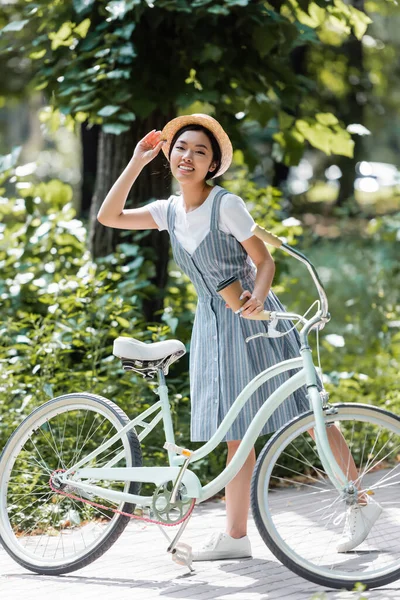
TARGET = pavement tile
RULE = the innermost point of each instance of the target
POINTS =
(137, 567)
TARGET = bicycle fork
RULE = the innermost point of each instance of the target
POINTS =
(328, 460)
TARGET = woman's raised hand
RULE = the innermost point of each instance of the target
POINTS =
(148, 147)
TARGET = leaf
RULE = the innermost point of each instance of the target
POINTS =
(48, 390)
(264, 40)
(123, 322)
(292, 144)
(118, 74)
(37, 55)
(342, 144)
(129, 249)
(285, 120)
(211, 52)
(135, 264)
(172, 322)
(115, 128)
(73, 89)
(10, 160)
(23, 339)
(360, 22)
(126, 31)
(102, 53)
(127, 51)
(218, 10)
(29, 205)
(317, 13)
(108, 110)
(62, 37)
(316, 134)
(261, 111)
(326, 118)
(83, 28)
(81, 6)
(128, 116)
(14, 26)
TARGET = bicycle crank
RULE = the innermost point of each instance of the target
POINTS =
(170, 512)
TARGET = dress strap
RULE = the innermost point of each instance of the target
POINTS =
(215, 209)
(171, 212)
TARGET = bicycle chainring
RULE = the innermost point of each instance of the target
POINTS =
(170, 512)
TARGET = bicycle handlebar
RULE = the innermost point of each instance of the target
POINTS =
(266, 236)
(274, 240)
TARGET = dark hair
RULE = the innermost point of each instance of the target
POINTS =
(216, 150)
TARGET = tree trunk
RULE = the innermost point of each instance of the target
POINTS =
(280, 170)
(114, 153)
(90, 142)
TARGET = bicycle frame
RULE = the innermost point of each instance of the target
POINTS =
(306, 375)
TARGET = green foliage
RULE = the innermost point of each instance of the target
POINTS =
(61, 311)
(360, 352)
(140, 54)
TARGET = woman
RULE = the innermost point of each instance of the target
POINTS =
(211, 239)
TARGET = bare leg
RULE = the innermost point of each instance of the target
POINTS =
(343, 456)
(237, 494)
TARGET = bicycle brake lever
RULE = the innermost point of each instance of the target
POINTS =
(274, 333)
(272, 330)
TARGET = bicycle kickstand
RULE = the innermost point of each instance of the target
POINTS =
(181, 552)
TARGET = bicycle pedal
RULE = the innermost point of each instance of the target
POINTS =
(178, 449)
(182, 555)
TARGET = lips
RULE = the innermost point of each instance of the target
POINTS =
(186, 168)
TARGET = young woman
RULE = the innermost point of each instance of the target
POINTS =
(211, 239)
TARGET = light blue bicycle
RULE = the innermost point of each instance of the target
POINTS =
(70, 474)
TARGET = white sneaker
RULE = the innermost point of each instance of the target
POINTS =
(359, 522)
(221, 546)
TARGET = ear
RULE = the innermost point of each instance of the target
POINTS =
(212, 167)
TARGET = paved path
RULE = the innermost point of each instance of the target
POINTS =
(138, 568)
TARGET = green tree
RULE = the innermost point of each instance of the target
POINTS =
(130, 65)
(357, 79)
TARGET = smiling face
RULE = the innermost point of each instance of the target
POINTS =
(191, 158)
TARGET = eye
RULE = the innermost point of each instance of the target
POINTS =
(180, 147)
(200, 152)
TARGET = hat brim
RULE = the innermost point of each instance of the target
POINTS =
(209, 123)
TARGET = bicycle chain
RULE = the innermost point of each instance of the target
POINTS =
(115, 510)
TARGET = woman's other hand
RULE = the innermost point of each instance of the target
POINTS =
(252, 306)
(148, 147)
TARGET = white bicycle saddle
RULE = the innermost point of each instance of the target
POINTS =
(131, 349)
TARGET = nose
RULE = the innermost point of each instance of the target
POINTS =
(187, 155)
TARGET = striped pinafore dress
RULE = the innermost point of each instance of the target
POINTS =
(221, 363)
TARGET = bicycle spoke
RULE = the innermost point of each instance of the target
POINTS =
(58, 526)
(300, 510)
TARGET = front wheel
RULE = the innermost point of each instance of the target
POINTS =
(42, 530)
(300, 515)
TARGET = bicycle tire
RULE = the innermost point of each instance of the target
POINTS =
(294, 513)
(40, 428)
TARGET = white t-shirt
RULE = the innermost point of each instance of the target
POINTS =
(192, 227)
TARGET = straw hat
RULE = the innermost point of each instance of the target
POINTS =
(210, 123)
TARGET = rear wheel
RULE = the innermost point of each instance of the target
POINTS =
(45, 531)
(300, 515)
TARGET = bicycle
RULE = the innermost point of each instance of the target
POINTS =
(55, 517)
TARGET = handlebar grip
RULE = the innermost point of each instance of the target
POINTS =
(264, 315)
(266, 236)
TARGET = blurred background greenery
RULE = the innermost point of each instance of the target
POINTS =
(309, 92)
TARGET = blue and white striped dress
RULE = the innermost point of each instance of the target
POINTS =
(221, 363)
